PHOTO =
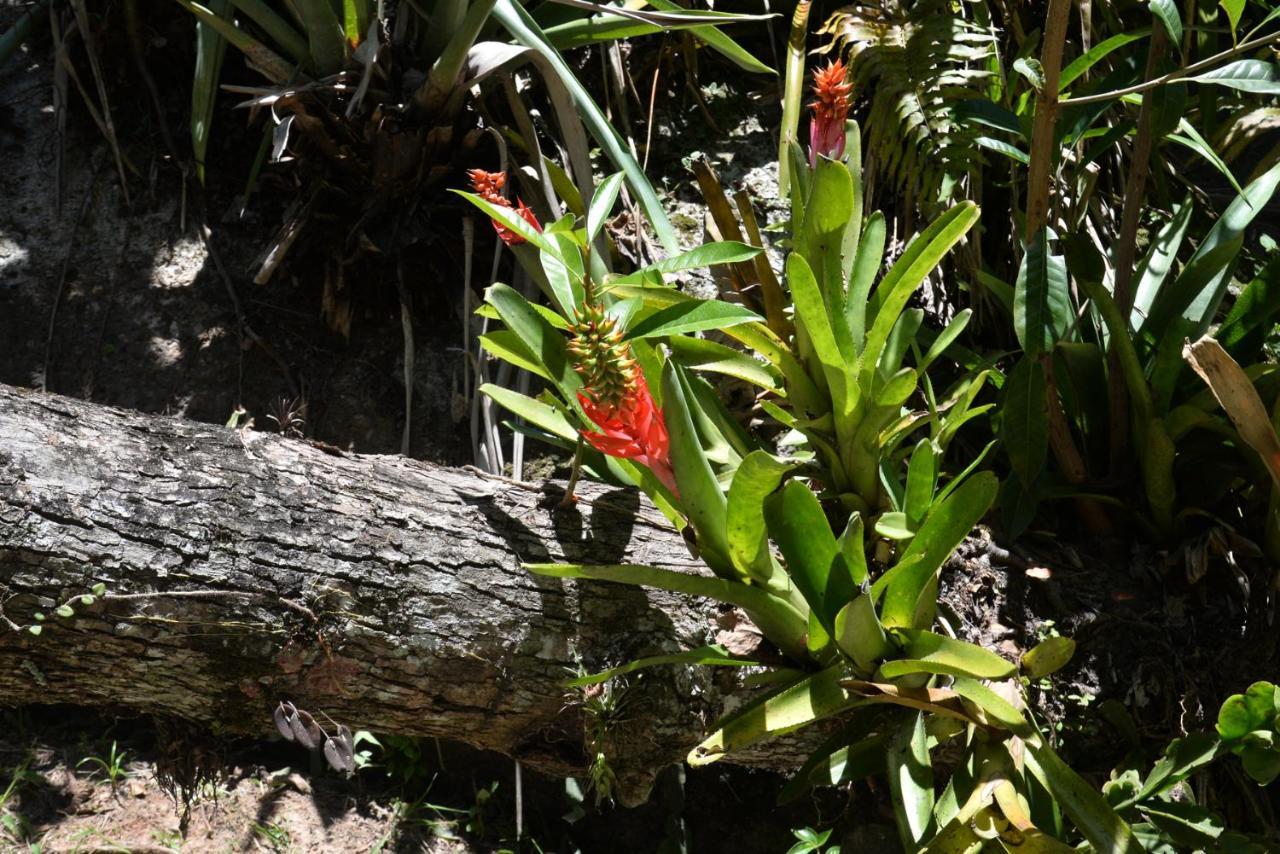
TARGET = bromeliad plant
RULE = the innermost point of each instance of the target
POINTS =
(863, 522)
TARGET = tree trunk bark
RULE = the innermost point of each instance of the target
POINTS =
(243, 568)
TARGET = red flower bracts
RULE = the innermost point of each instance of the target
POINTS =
(488, 186)
(832, 89)
(632, 429)
(616, 397)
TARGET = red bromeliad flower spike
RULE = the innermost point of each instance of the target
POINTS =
(616, 397)
(832, 88)
(488, 186)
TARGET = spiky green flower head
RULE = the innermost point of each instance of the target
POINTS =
(601, 357)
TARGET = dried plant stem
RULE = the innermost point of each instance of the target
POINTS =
(406, 327)
(62, 279)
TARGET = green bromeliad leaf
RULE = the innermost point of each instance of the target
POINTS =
(695, 316)
(706, 656)
(927, 652)
(815, 697)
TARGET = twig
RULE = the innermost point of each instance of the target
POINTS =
(653, 99)
(82, 17)
(59, 108)
(1243, 47)
(406, 327)
(62, 278)
(246, 331)
(290, 604)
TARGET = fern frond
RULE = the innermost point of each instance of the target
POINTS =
(915, 62)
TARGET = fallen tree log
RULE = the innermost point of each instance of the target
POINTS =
(242, 569)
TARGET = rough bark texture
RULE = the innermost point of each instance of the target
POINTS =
(383, 592)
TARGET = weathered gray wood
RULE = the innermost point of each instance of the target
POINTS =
(382, 592)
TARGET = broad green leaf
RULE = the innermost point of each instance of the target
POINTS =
(800, 389)
(511, 221)
(1247, 75)
(922, 481)
(270, 63)
(508, 347)
(927, 652)
(1192, 139)
(816, 697)
(1161, 255)
(1198, 279)
(1087, 60)
(211, 48)
(895, 525)
(718, 41)
(1046, 657)
(811, 314)
(1253, 710)
(899, 387)
(602, 204)
(324, 35)
(854, 548)
(860, 636)
(355, 20)
(1041, 298)
(280, 30)
(540, 339)
(920, 257)
(1083, 804)
(550, 315)
(1181, 758)
(694, 316)
(901, 339)
(847, 764)
(700, 492)
(797, 523)
(1229, 227)
(777, 619)
(704, 655)
(866, 264)
(947, 526)
(1252, 315)
(1024, 429)
(564, 272)
(537, 413)
(1001, 147)
(705, 355)
(911, 781)
(757, 477)
(1234, 9)
(706, 255)
(820, 242)
(1190, 826)
(994, 708)
(1167, 12)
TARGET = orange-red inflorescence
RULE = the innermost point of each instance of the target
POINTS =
(616, 397)
(488, 186)
(832, 90)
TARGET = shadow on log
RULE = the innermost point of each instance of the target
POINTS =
(242, 569)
